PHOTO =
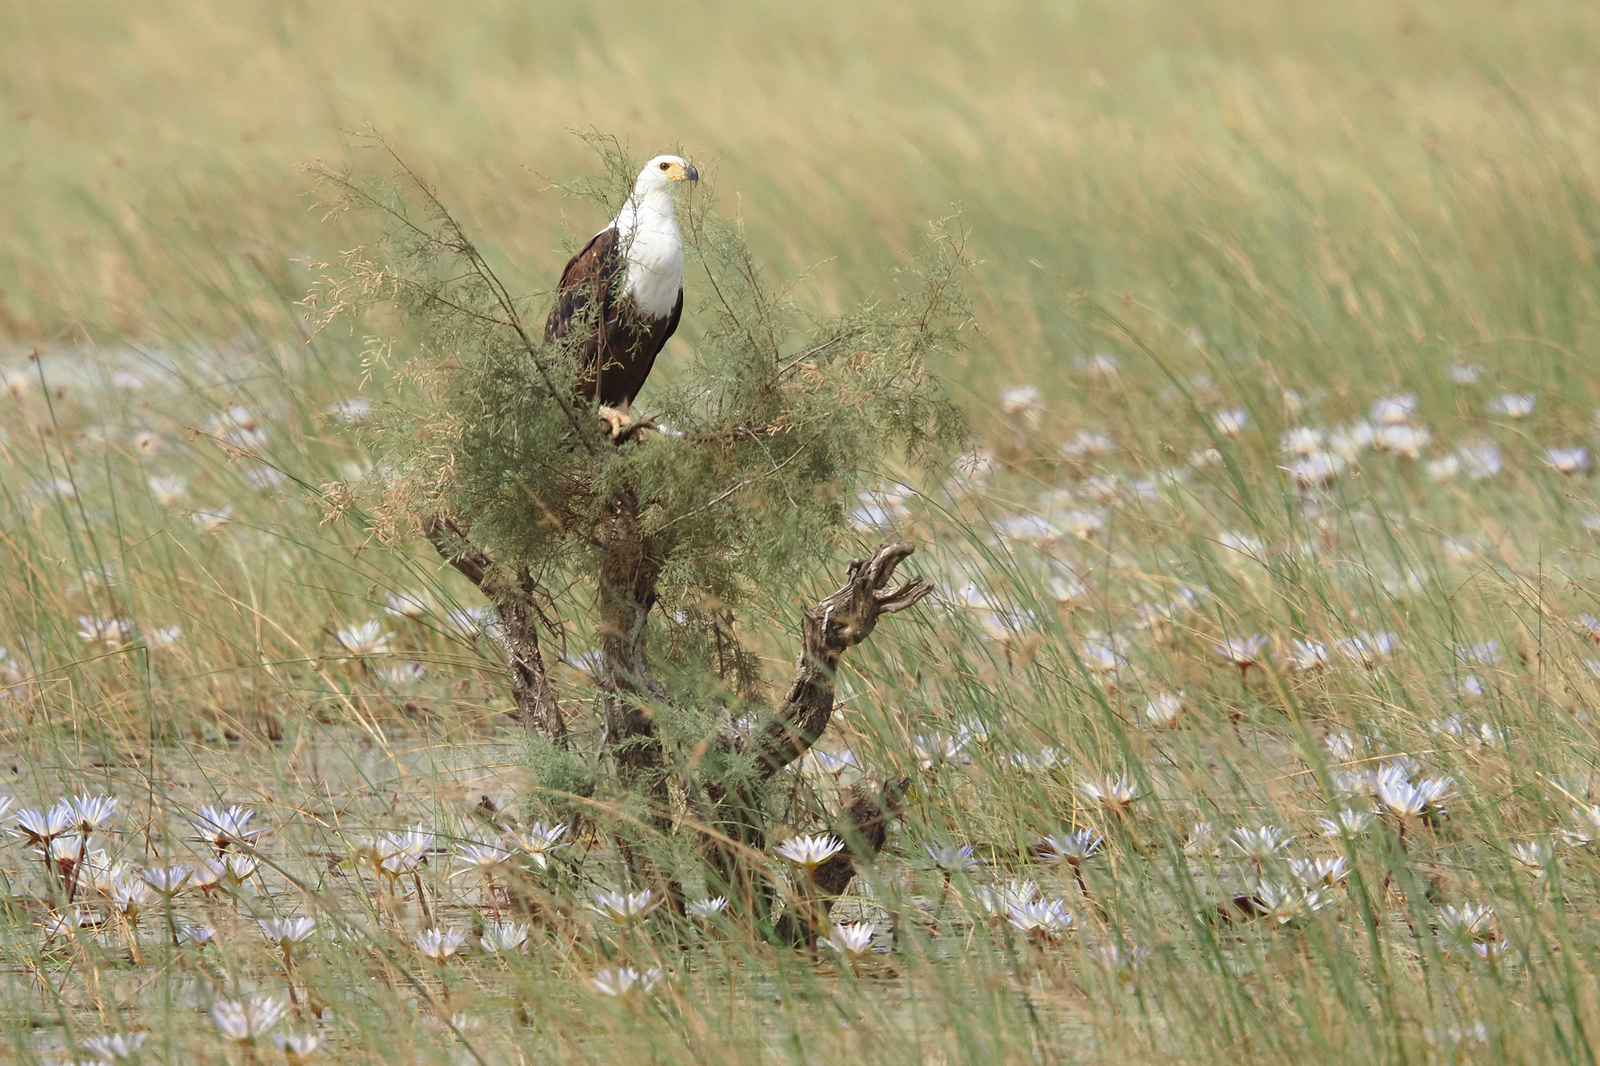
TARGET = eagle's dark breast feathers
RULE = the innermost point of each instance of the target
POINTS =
(620, 344)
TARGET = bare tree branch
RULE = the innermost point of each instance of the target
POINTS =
(733, 806)
(840, 622)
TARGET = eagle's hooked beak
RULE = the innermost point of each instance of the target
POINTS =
(690, 173)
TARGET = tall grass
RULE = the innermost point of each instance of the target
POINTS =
(1286, 211)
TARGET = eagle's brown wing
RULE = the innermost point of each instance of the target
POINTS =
(621, 345)
(636, 341)
(588, 279)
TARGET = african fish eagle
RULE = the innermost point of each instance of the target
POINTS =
(633, 318)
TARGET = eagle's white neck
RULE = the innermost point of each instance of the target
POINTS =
(650, 239)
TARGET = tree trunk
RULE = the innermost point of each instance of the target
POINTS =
(630, 566)
(514, 598)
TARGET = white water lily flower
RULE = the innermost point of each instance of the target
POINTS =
(706, 909)
(400, 675)
(1514, 405)
(56, 924)
(1115, 958)
(1201, 839)
(1046, 919)
(242, 1021)
(404, 852)
(1165, 710)
(1586, 826)
(1087, 442)
(1404, 798)
(131, 896)
(1022, 401)
(1260, 843)
(1367, 649)
(503, 936)
(223, 826)
(810, 851)
(1572, 461)
(1480, 460)
(1102, 363)
(936, 749)
(486, 859)
(539, 839)
(951, 857)
(1317, 470)
(850, 939)
(198, 934)
(364, 638)
(1243, 652)
(42, 825)
(1460, 927)
(167, 881)
(1314, 872)
(439, 944)
(412, 605)
(1534, 856)
(63, 852)
(112, 632)
(237, 868)
(1074, 847)
(1306, 655)
(1302, 440)
(1347, 823)
(1231, 422)
(996, 900)
(92, 813)
(211, 521)
(1409, 442)
(297, 1047)
(1289, 904)
(166, 489)
(115, 1046)
(1115, 793)
(1393, 410)
(625, 907)
(285, 932)
(626, 981)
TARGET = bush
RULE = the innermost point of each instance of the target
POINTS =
(775, 421)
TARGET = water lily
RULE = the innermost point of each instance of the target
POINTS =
(625, 908)
(810, 851)
(242, 1021)
(440, 944)
(625, 981)
(850, 939)
(503, 936)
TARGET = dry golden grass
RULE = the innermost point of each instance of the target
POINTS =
(1289, 209)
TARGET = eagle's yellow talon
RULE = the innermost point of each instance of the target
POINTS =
(617, 419)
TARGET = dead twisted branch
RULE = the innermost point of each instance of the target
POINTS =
(731, 805)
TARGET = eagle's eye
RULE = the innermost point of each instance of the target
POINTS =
(664, 166)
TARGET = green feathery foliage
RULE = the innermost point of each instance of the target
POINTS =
(767, 429)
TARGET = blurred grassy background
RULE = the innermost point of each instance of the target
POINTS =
(1365, 185)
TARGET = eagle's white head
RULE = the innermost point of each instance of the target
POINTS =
(650, 235)
(663, 172)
